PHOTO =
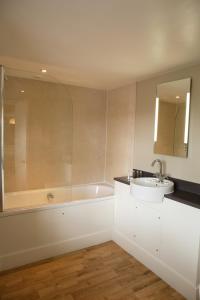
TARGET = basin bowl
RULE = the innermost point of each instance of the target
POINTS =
(150, 189)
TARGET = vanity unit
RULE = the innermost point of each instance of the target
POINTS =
(163, 235)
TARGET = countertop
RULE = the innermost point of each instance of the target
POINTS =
(179, 195)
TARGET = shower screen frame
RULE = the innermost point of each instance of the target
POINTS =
(2, 74)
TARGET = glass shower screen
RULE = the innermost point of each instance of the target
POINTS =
(38, 115)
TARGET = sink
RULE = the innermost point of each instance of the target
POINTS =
(149, 189)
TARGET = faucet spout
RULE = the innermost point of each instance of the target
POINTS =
(159, 175)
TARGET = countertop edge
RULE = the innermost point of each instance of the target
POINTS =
(181, 196)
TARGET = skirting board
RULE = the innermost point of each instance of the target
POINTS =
(30, 255)
(174, 279)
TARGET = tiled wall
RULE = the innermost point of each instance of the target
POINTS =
(66, 135)
(58, 137)
(120, 131)
(89, 134)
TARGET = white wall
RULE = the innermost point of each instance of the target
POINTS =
(183, 168)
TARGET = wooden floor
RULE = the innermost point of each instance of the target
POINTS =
(103, 272)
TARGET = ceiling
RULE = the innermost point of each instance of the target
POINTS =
(99, 43)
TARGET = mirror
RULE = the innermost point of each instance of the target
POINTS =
(172, 110)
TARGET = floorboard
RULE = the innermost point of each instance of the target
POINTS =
(103, 272)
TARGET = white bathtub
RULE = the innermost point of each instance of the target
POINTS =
(61, 195)
(35, 228)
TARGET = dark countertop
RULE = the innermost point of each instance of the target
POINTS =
(184, 197)
(122, 180)
(179, 195)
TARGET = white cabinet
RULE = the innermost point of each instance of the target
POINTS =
(147, 228)
(180, 238)
(165, 237)
(125, 213)
(139, 222)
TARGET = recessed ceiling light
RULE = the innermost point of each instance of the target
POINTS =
(43, 70)
(22, 91)
(177, 97)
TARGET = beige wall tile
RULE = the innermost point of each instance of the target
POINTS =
(58, 138)
(120, 131)
(64, 141)
(89, 133)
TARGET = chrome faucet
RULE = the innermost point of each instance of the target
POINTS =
(50, 196)
(159, 175)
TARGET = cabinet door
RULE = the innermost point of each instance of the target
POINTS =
(124, 211)
(147, 228)
(180, 238)
(138, 222)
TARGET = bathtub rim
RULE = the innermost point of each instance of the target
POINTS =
(32, 209)
(107, 184)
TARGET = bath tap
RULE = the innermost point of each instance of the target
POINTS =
(50, 196)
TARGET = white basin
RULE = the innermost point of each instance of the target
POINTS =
(150, 189)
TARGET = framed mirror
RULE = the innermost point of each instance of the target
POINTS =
(172, 112)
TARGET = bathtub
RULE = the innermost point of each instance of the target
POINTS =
(54, 196)
(37, 228)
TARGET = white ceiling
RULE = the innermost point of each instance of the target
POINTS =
(99, 43)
